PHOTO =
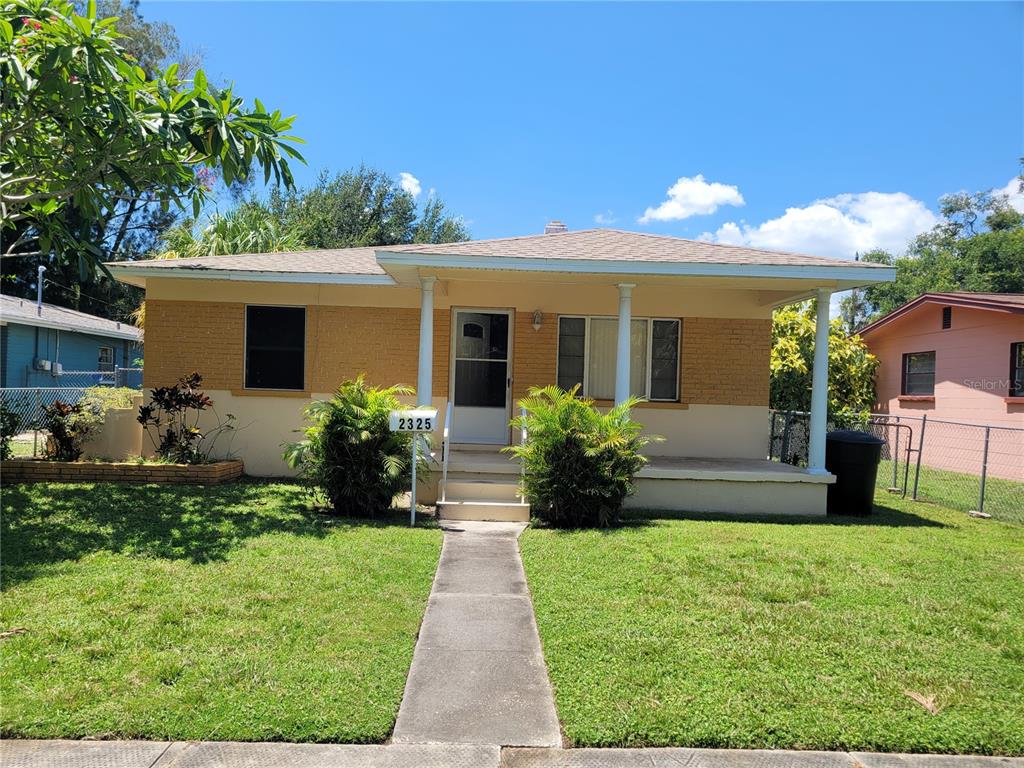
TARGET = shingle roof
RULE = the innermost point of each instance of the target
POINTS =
(996, 302)
(23, 311)
(585, 245)
(619, 245)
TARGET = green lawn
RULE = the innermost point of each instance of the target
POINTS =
(1004, 499)
(228, 612)
(699, 631)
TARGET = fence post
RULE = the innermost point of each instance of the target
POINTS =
(35, 423)
(920, 451)
(984, 471)
(771, 438)
(787, 429)
(896, 456)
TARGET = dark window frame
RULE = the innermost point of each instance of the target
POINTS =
(947, 318)
(246, 349)
(1017, 369)
(904, 366)
(650, 320)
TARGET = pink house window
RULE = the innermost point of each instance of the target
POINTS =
(1017, 369)
(918, 373)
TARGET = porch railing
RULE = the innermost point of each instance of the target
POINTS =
(522, 464)
(445, 450)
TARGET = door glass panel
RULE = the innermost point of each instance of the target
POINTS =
(481, 336)
(480, 383)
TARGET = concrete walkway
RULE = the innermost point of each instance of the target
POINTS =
(478, 675)
(162, 754)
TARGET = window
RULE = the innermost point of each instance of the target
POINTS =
(1017, 369)
(947, 317)
(275, 344)
(106, 359)
(587, 350)
(919, 373)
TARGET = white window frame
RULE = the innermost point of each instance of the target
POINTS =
(245, 346)
(99, 362)
(650, 349)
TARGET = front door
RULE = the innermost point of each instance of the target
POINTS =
(481, 377)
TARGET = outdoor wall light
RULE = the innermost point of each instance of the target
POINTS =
(538, 319)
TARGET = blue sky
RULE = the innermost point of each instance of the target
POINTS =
(516, 114)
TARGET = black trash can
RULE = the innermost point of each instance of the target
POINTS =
(853, 458)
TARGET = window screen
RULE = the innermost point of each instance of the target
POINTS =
(919, 373)
(106, 359)
(275, 342)
(1017, 369)
(572, 339)
(665, 360)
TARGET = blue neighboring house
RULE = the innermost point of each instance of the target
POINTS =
(39, 343)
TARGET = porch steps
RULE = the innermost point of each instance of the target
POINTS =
(483, 495)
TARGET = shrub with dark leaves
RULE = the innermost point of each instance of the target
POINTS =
(172, 420)
(68, 427)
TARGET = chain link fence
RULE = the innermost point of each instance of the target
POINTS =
(28, 403)
(969, 467)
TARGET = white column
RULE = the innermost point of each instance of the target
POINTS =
(819, 387)
(622, 347)
(425, 371)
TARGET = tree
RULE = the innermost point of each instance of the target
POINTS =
(851, 371)
(362, 207)
(84, 128)
(977, 246)
(249, 228)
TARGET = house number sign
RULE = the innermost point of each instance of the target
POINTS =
(417, 421)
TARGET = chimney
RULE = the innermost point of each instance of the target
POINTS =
(555, 227)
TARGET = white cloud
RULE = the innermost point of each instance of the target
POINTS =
(608, 217)
(1013, 193)
(838, 226)
(693, 197)
(409, 183)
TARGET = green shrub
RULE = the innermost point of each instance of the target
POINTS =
(69, 427)
(101, 399)
(172, 420)
(10, 424)
(579, 463)
(350, 456)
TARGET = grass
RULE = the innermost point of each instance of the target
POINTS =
(1004, 499)
(697, 631)
(188, 612)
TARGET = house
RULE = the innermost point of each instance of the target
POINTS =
(956, 357)
(40, 342)
(684, 324)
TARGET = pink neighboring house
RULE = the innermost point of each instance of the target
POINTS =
(956, 357)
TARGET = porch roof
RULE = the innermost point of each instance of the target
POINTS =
(586, 252)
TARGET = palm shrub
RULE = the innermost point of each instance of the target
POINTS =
(578, 463)
(350, 456)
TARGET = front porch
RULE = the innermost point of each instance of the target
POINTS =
(482, 483)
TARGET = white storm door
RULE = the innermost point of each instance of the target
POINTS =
(481, 377)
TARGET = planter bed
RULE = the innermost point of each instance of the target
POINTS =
(40, 470)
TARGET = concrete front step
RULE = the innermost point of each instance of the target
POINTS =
(482, 490)
(497, 511)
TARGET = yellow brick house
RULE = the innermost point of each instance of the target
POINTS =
(473, 325)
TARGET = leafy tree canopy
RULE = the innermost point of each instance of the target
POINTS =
(363, 207)
(84, 127)
(977, 246)
(851, 372)
(248, 228)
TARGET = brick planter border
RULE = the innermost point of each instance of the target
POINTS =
(40, 471)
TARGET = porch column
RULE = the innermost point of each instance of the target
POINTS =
(425, 370)
(622, 346)
(819, 387)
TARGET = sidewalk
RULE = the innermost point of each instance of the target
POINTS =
(478, 675)
(162, 754)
